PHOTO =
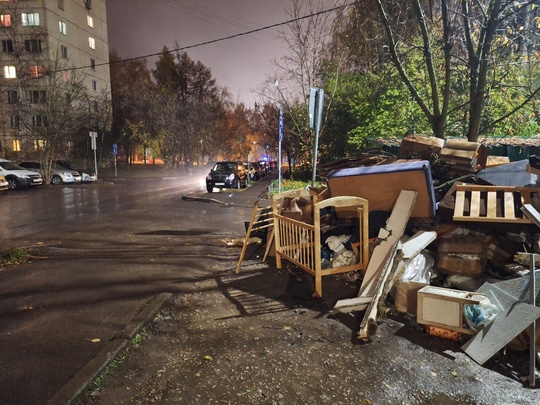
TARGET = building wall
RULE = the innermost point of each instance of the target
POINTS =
(91, 63)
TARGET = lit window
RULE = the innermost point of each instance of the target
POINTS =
(62, 27)
(10, 72)
(16, 145)
(36, 71)
(5, 20)
(12, 96)
(7, 45)
(32, 45)
(30, 19)
(63, 51)
(90, 21)
(91, 42)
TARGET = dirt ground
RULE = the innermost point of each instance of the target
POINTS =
(260, 338)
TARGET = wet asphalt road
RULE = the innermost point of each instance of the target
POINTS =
(105, 250)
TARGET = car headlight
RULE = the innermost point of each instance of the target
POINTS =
(209, 177)
(25, 176)
(230, 177)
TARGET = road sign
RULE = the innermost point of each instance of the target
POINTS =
(115, 149)
(316, 102)
(280, 124)
(93, 135)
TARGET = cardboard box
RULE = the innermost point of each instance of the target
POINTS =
(405, 299)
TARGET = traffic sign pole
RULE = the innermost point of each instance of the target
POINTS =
(93, 136)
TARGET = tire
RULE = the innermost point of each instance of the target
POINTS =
(13, 183)
(56, 180)
(209, 188)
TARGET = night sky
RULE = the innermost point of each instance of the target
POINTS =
(143, 27)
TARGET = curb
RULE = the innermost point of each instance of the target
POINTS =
(203, 199)
(80, 381)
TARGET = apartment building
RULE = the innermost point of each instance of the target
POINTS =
(41, 38)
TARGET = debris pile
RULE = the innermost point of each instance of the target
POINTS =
(451, 237)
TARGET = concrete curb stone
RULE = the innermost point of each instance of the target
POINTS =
(80, 381)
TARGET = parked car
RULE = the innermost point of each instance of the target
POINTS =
(59, 174)
(3, 183)
(252, 172)
(87, 176)
(18, 176)
(228, 174)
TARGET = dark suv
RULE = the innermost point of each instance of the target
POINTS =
(231, 174)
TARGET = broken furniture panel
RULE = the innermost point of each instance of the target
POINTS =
(513, 174)
(383, 254)
(300, 243)
(463, 157)
(444, 308)
(420, 147)
(514, 317)
(462, 255)
(261, 220)
(493, 203)
(381, 185)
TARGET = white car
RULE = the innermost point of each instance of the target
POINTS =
(86, 176)
(18, 176)
(59, 175)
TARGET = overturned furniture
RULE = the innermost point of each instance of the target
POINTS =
(299, 242)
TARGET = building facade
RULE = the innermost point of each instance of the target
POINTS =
(45, 44)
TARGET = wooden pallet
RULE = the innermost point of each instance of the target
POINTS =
(493, 203)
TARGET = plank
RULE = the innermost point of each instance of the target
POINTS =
(491, 204)
(475, 204)
(390, 234)
(509, 205)
(460, 203)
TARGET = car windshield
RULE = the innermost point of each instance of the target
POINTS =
(229, 167)
(10, 166)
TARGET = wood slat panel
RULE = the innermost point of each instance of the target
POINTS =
(492, 204)
(501, 204)
(509, 205)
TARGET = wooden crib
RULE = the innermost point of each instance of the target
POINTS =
(299, 242)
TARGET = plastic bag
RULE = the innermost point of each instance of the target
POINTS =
(478, 315)
(418, 268)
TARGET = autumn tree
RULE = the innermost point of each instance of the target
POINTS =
(198, 102)
(300, 69)
(132, 95)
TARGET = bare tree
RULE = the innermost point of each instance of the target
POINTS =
(307, 36)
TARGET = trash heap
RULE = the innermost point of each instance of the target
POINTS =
(453, 238)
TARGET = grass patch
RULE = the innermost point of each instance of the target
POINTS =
(99, 381)
(290, 184)
(14, 256)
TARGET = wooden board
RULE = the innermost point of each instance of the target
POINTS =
(492, 203)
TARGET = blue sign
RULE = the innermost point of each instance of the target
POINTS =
(280, 124)
(115, 149)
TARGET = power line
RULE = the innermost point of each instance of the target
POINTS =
(213, 41)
